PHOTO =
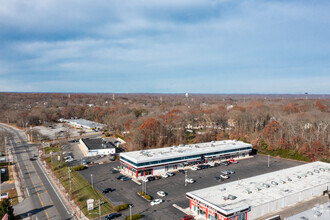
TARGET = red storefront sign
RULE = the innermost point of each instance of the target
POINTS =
(211, 212)
(192, 202)
(220, 217)
(203, 208)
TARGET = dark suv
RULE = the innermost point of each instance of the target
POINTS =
(106, 190)
(112, 215)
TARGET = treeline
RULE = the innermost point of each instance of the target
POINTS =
(295, 124)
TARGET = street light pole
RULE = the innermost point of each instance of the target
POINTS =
(268, 160)
(130, 212)
(92, 181)
(185, 178)
(99, 209)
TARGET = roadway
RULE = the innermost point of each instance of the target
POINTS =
(41, 200)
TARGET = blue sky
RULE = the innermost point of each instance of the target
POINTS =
(170, 46)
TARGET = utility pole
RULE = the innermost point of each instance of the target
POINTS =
(6, 148)
(99, 209)
(69, 170)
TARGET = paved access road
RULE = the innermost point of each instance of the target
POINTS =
(41, 200)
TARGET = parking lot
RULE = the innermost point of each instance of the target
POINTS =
(126, 192)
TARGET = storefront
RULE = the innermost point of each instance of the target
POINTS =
(210, 213)
(161, 160)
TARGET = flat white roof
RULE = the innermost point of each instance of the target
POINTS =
(83, 122)
(253, 191)
(182, 150)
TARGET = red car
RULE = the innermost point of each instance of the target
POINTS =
(187, 217)
(233, 161)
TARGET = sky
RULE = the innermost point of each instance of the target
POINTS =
(165, 46)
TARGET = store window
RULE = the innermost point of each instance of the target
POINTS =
(241, 216)
(210, 217)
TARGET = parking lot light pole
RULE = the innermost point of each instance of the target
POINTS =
(268, 160)
(92, 181)
(185, 178)
(130, 211)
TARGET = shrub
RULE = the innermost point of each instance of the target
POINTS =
(136, 216)
(121, 207)
(147, 197)
(79, 167)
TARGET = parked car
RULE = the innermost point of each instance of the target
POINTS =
(112, 215)
(106, 190)
(230, 171)
(233, 161)
(151, 178)
(120, 176)
(114, 171)
(157, 177)
(224, 176)
(219, 179)
(170, 174)
(125, 178)
(181, 171)
(194, 168)
(156, 202)
(189, 180)
(225, 163)
(161, 193)
(69, 160)
(187, 217)
(226, 172)
(4, 196)
(200, 167)
(164, 175)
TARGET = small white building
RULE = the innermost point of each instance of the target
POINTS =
(261, 195)
(93, 147)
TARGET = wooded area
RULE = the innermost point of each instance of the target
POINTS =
(296, 124)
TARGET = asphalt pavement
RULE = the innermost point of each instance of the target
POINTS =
(41, 201)
(126, 192)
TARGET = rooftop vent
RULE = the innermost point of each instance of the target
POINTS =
(310, 172)
(248, 191)
(222, 189)
(274, 183)
(258, 189)
(304, 175)
(266, 185)
(282, 181)
(299, 177)
(197, 146)
(232, 197)
(316, 171)
(322, 169)
(289, 179)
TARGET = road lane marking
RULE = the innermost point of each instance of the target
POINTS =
(51, 184)
(42, 204)
(50, 198)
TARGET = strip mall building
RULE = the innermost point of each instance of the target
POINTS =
(157, 161)
(256, 197)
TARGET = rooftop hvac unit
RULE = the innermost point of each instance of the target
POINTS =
(304, 175)
(266, 185)
(322, 169)
(197, 146)
(222, 189)
(282, 181)
(274, 183)
(258, 189)
(225, 197)
(299, 177)
(316, 171)
(289, 179)
(310, 172)
(248, 191)
(232, 197)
